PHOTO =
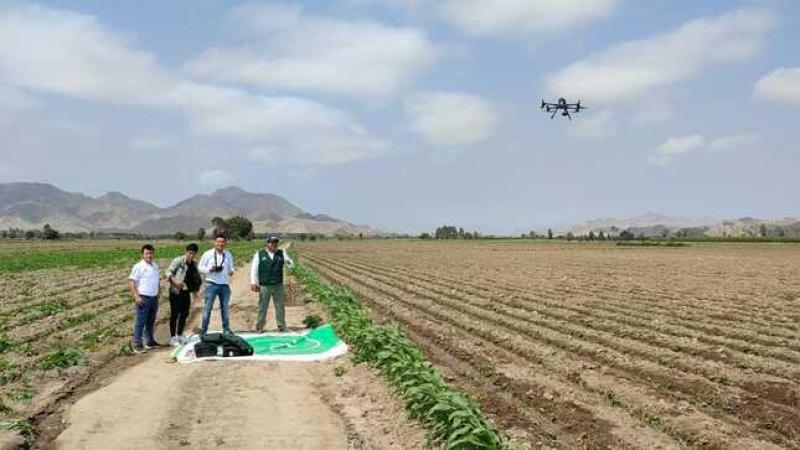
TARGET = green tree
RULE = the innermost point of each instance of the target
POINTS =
(549, 233)
(240, 227)
(49, 232)
(201, 234)
(180, 236)
(591, 235)
(762, 230)
(220, 225)
(30, 234)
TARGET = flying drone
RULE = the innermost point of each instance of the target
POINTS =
(562, 106)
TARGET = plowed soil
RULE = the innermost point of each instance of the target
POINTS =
(594, 345)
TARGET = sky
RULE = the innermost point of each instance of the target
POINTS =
(410, 114)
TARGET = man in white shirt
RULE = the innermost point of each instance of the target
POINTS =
(217, 266)
(266, 278)
(144, 284)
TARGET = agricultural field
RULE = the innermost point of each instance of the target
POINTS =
(577, 345)
(66, 309)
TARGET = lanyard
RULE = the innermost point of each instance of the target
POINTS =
(215, 259)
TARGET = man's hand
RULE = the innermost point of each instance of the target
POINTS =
(255, 288)
(138, 300)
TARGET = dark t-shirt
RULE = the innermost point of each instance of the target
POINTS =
(192, 279)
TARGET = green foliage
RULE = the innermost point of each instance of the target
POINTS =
(35, 311)
(312, 321)
(6, 343)
(50, 233)
(44, 258)
(339, 370)
(452, 418)
(240, 227)
(21, 426)
(23, 394)
(62, 358)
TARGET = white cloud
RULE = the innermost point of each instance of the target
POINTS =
(74, 55)
(735, 142)
(215, 178)
(598, 125)
(524, 17)
(287, 49)
(676, 146)
(451, 119)
(781, 85)
(633, 69)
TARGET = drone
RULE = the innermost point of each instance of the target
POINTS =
(563, 106)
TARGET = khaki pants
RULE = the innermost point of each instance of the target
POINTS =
(276, 292)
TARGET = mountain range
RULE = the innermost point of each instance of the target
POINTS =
(28, 206)
(658, 225)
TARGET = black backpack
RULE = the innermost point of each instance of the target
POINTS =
(232, 345)
(236, 346)
(204, 350)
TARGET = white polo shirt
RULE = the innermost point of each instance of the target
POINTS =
(146, 278)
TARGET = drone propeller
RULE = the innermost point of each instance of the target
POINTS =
(542, 107)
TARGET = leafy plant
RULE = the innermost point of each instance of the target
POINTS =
(339, 370)
(62, 358)
(452, 418)
(6, 343)
(21, 426)
(312, 321)
(23, 394)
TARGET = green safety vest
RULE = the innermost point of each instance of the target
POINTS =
(270, 271)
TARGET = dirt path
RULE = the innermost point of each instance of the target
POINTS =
(159, 404)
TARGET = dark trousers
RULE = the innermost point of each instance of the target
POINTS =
(179, 311)
(145, 320)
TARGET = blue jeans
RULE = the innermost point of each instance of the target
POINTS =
(223, 291)
(145, 319)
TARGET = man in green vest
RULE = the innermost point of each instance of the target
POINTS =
(266, 278)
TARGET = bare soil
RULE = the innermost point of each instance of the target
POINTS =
(148, 401)
(598, 346)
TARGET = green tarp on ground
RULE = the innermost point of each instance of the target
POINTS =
(311, 345)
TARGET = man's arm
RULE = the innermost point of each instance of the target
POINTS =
(171, 270)
(288, 258)
(204, 266)
(132, 280)
(230, 264)
(254, 273)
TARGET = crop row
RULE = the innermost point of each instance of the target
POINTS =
(451, 417)
(682, 386)
(623, 322)
(694, 323)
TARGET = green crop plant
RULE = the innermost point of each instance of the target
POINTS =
(62, 358)
(23, 394)
(21, 426)
(312, 321)
(339, 370)
(6, 343)
(452, 418)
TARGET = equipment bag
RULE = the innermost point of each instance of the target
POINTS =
(205, 349)
(243, 348)
(232, 345)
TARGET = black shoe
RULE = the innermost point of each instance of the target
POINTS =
(154, 344)
(282, 329)
(137, 349)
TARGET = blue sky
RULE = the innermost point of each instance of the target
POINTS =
(409, 114)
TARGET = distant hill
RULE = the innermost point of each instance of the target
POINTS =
(31, 205)
(658, 225)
